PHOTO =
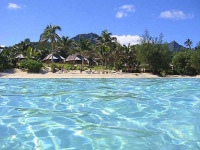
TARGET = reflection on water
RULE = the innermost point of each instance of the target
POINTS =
(99, 114)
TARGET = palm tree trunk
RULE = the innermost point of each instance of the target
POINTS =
(82, 63)
(52, 57)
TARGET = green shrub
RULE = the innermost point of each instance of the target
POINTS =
(163, 73)
(51, 65)
(8, 65)
(31, 65)
(78, 68)
(1, 67)
(58, 66)
(44, 65)
(85, 68)
(103, 68)
(182, 63)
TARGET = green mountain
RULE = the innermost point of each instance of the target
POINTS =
(174, 46)
(91, 36)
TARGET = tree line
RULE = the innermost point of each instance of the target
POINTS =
(151, 54)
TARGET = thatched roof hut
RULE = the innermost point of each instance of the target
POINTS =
(77, 59)
(56, 58)
(20, 56)
(74, 57)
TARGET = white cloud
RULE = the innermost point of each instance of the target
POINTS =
(121, 14)
(128, 8)
(175, 14)
(125, 10)
(2, 45)
(13, 6)
(126, 39)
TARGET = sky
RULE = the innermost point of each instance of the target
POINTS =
(126, 19)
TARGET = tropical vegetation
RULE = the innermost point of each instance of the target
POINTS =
(150, 55)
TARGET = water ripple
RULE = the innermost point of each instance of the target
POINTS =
(87, 114)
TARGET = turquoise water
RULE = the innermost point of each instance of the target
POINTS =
(100, 114)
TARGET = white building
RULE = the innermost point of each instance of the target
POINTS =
(1, 48)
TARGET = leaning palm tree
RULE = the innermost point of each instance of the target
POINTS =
(188, 43)
(50, 34)
(83, 47)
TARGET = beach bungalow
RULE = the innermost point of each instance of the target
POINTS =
(144, 67)
(19, 58)
(77, 59)
(56, 58)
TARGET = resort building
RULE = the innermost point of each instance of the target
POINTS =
(77, 59)
(19, 58)
(1, 48)
(56, 58)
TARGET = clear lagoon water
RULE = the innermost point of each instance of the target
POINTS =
(100, 114)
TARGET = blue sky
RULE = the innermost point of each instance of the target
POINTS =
(127, 19)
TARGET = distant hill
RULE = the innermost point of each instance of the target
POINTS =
(174, 46)
(91, 36)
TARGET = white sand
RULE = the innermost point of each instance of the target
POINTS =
(16, 73)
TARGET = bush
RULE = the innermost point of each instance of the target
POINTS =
(44, 65)
(183, 64)
(6, 65)
(85, 68)
(163, 73)
(195, 60)
(78, 68)
(9, 65)
(71, 67)
(1, 67)
(31, 65)
(103, 68)
(58, 66)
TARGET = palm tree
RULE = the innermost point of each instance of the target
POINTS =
(116, 55)
(105, 46)
(129, 56)
(188, 43)
(30, 53)
(20, 47)
(65, 44)
(50, 34)
(83, 47)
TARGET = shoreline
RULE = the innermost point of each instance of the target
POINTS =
(76, 74)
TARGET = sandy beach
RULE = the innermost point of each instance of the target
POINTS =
(17, 73)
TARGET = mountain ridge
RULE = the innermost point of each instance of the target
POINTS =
(174, 46)
(92, 36)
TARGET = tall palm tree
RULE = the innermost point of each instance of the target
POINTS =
(105, 46)
(188, 43)
(106, 38)
(83, 47)
(50, 34)
(65, 44)
(116, 55)
(129, 56)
